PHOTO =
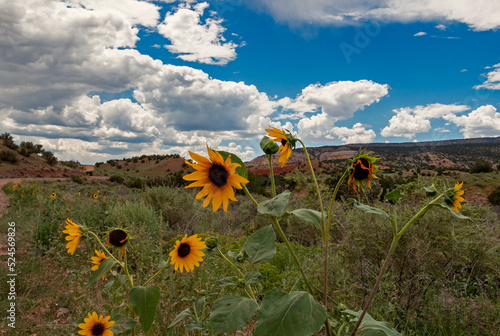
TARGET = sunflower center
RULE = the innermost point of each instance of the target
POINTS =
(284, 142)
(118, 238)
(218, 175)
(361, 173)
(98, 329)
(183, 250)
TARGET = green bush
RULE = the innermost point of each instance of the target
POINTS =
(494, 197)
(8, 156)
(116, 179)
(481, 166)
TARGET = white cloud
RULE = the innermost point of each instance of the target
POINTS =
(420, 34)
(409, 121)
(441, 27)
(478, 14)
(482, 122)
(357, 134)
(195, 41)
(492, 79)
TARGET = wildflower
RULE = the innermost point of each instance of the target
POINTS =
(361, 169)
(53, 195)
(287, 143)
(453, 197)
(79, 194)
(118, 238)
(14, 187)
(74, 235)
(96, 326)
(217, 177)
(97, 262)
(103, 198)
(95, 196)
(187, 254)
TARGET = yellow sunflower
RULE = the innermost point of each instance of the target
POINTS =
(187, 254)
(74, 235)
(97, 261)
(53, 195)
(287, 143)
(96, 326)
(95, 196)
(454, 197)
(216, 176)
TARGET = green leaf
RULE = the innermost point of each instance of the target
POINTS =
(182, 315)
(368, 209)
(371, 327)
(230, 313)
(455, 214)
(232, 254)
(276, 206)
(431, 191)
(308, 215)
(394, 196)
(145, 300)
(253, 277)
(161, 265)
(260, 246)
(232, 280)
(122, 324)
(241, 170)
(294, 314)
(105, 266)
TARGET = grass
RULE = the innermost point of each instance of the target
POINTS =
(443, 280)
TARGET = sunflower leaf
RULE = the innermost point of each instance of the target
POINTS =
(105, 266)
(367, 208)
(241, 170)
(182, 315)
(232, 280)
(253, 277)
(371, 327)
(309, 215)
(394, 196)
(122, 323)
(260, 246)
(276, 206)
(293, 314)
(145, 300)
(230, 313)
(455, 214)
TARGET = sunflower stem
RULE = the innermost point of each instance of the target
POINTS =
(160, 271)
(251, 295)
(125, 268)
(105, 249)
(271, 173)
(249, 195)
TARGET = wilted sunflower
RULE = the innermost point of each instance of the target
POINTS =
(361, 170)
(96, 326)
(97, 262)
(118, 238)
(74, 235)
(187, 254)
(287, 143)
(453, 196)
(216, 176)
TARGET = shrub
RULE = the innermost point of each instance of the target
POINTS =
(49, 157)
(71, 163)
(8, 156)
(116, 179)
(494, 197)
(8, 140)
(481, 166)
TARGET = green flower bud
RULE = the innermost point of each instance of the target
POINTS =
(241, 283)
(269, 146)
(211, 242)
(240, 257)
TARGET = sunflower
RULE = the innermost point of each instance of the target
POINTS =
(95, 196)
(287, 143)
(187, 254)
(74, 235)
(97, 262)
(216, 176)
(53, 195)
(118, 238)
(454, 196)
(361, 170)
(96, 326)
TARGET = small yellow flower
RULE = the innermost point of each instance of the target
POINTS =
(97, 261)
(74, 235)
(287, 143)
(95, 196)
(53, 195)
(454, 197)
(187, 253)
(96, 326)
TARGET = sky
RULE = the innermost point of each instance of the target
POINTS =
(96, 80)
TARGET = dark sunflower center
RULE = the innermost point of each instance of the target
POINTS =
(218, 175)
(361, 173)
(183, 250)
(98, 329)
(118, 238)
(284, 142)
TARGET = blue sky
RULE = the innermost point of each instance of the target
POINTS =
(93, 80)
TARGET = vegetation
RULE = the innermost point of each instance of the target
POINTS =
(481, 166)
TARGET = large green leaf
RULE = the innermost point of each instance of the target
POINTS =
(145, 300)
(182, 315)
(122, 323)
(261, 246)
(371, 327)
(309, 215)
(105, 266)
(394, 196)
(232, 280)
(276, 206)
(241, 170)
(253, 277)
(230, 313)
(455, 214)
(294, 314)
(368, 209)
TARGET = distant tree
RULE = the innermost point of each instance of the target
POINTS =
(49, 157)
(27, 148)
(8, 156)
(494, 197)
(481, 166)
(8, 140)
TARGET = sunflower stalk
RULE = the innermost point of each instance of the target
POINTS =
(159, 272)
(105, 249)
(249, 291)
(271, 174)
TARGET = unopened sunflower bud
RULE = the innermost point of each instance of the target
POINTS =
(240, 257)
(431, 191)
(269, 146)
(211, 242)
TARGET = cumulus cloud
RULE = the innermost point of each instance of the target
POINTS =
(409, 121)
(195, 41)
(420, 34)
(478, 14)
(482, 122)
(492, 79)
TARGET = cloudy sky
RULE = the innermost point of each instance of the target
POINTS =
(93, 80)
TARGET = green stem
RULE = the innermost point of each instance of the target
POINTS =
(251, 295)
(156, 274)
(125, 268)
(418, 215)
(334, 196)
(271, 174)
(249, 195)
(105, 249)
